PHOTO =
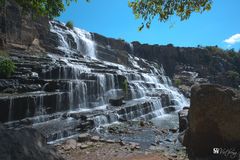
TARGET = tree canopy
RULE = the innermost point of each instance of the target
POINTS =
(50, 8)
(147, 10)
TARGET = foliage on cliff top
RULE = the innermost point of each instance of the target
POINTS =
(43, 7)
(147, 10)
(144, 9)
(69, 24)
(228, 54)
(233, 74)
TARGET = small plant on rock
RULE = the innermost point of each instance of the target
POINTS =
(177, 82)
(7, 67)
(69, 24)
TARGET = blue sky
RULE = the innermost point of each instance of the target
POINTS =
(113, 18)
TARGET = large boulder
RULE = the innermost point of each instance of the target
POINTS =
(25, 144)
(213, 119)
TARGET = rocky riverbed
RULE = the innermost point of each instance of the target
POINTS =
(132, 140)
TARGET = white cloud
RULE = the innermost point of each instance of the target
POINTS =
(233, 39)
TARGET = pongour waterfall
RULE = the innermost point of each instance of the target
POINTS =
(78, 86)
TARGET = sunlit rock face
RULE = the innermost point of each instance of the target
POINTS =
(212, 64)
(213, 120)
(20, 30)
(67, 89)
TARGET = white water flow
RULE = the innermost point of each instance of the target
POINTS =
(90, 83)
(141, 82)
(10, 109)
(82, 39)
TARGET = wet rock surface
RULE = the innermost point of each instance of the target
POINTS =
(46, 87)
(116, 101)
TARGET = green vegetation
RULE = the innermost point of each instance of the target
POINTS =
(121, 39)
(7, 67)
(230, 55)
(147, 10)
(177, 82)
(234, 78)
(233, 75)
(217, 50)
(214, 49)
(69, 24)
(233, 54)
(164, 9)
(48, 8)
(156, 65)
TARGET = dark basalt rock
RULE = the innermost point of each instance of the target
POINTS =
(8, 83)
(25, 144)
(28, 105)
(113, 43)
(51, 86)
(169, 109)
(165, 100)
(183, 119)
(116, 101)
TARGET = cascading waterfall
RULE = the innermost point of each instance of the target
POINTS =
(10, 109)
(60, 33)
(85, 37)
(71, 94)
(87, 84)
(82, 38)
(59, 101)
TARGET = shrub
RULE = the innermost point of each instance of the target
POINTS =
(69, 24)
(7, 67)
(177, 82)
(156, 65)
(233, 75)
(120, 39)
(234, 54)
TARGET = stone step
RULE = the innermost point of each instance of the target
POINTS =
(19, 106)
